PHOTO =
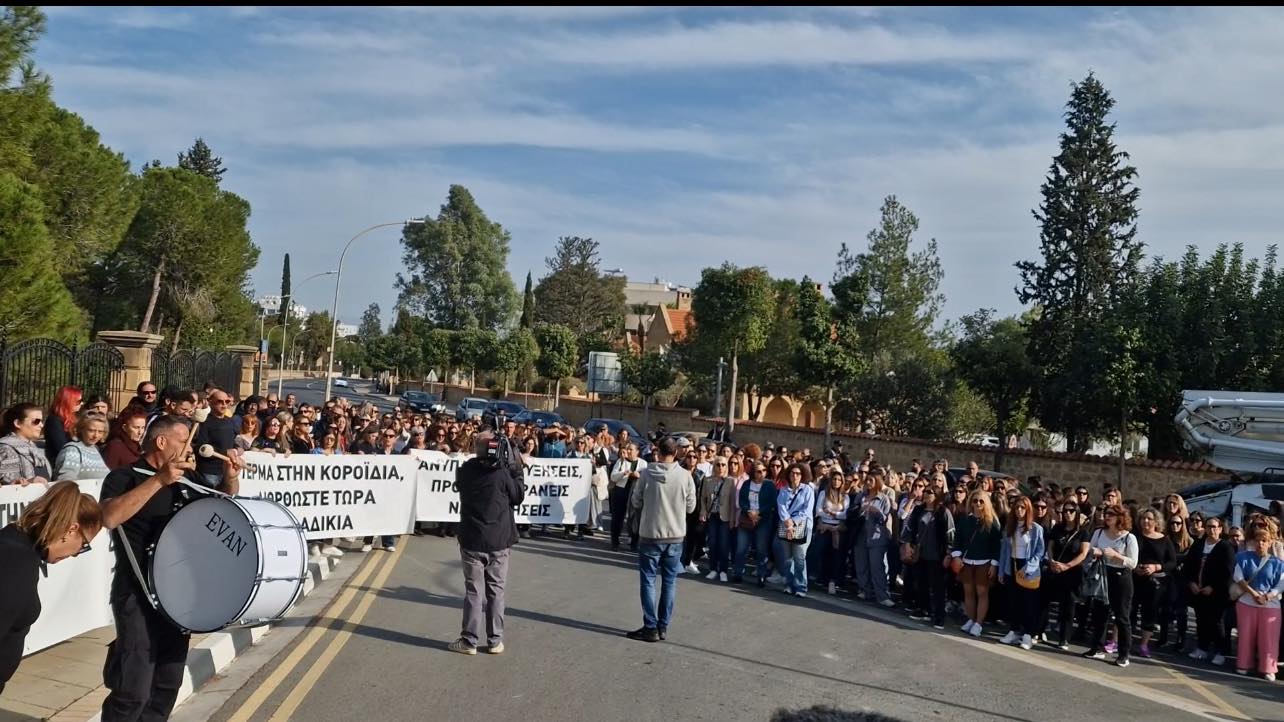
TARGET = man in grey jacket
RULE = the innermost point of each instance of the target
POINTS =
(662, 497)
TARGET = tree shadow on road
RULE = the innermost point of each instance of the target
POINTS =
(421, 596)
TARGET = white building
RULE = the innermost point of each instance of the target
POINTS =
(272, 304)
(346, 330)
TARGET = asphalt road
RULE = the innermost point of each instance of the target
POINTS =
(733, 653)
(312, 391)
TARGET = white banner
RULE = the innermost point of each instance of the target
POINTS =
(337, 496)
(73, 598)
(557, 490)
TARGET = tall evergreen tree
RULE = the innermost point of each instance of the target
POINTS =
(34, 301)
(371, 326)
(1090, 255)
(458, 265)
(285, 290)
(201, 159)
(528, 305)
(576, 294)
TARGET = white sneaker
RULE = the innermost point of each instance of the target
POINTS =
(887, 603)
(711, 576)
(366, 548)
(833, 588)
(775, 579)
(1219, 660)
(390, 548)
(1270, 677)
(800, 595)
(692, 568)
(976, 629)
(722, 577)
(314, 550)
(1198, 654)
(331, 550)
(1009, 638)
(967, 626)
(1027, 642)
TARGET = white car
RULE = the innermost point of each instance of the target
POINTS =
(341, 382)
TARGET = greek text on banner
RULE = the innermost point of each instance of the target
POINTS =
(557, 490)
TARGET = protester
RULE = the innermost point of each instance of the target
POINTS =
(1068, 547)
(60, 422)
(249, 432)
(796, 508)
(756, 524)
(831, 532)
(662, 496)
(932, 531)
(1209, 566)
(488, 491)
(1258, 584)
(146, 398)
(218, 431)
(57, 526)
(1020, 567)
(21, 461)
(977, 542)
(715, 509)
(624, 475)
(126, 442)
(1117, 547)
(272, 439)
(1173, 612)
(875, 510)
(1156, 562)
(145, 664)
(81, 459)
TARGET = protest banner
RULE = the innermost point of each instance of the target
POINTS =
(557, 490)
(74, 596)
(337, 496)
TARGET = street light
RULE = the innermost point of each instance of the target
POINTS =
(334, 309)
(280, 372)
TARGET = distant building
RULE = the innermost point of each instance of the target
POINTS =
(658, 294)
(345, 330)
(272, 304)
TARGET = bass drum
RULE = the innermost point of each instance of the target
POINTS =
(222, 561)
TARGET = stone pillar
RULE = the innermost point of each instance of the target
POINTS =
(246, 386)
(137, 348)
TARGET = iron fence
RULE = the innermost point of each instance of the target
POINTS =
(33, 370)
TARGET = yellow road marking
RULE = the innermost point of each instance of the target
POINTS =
(269, 685)
(1198, 688)
(305, 685)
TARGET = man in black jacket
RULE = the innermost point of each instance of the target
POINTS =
(488, 491)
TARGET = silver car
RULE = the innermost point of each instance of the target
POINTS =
(470, 408)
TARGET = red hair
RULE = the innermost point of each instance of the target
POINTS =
(65, 404)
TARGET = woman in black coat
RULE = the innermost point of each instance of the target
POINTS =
(54, 527)
(1208, 567)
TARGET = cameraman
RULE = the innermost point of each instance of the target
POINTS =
(490, 485)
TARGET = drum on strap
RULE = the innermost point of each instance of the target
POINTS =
(224, 561)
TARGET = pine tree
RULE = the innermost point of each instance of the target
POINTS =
(1090, 255)
(202, 160)
(285, 290)
(528, 305)
(371, 326)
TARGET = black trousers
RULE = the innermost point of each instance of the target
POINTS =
(1059, 589)
(1023, 604)
(1147, 598)
(929, 583)
(1119, 585)
(1210, 628)
(619, 510)
(693, 545)
(145, 663)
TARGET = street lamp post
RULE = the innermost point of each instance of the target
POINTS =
(280, 373)
(334, 309)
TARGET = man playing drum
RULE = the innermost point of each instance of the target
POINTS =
(145, 663)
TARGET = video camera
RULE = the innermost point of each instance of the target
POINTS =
(499, 450)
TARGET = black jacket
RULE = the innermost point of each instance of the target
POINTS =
(19, 602)
(1214, 571)
(487, 495)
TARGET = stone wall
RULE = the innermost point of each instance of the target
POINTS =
(1143, 478)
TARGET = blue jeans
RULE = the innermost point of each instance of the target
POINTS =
(667, 559)
(871, 570)
(719, 545)
(760, 537)
(793, 559)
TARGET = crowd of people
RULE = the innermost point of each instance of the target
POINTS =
(1042, 562)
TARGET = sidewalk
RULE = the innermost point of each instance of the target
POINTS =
(64, 682)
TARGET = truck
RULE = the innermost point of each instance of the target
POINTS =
(1242, 432)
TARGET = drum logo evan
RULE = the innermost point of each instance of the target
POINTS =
(226, 534)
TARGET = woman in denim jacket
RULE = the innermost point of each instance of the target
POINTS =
(1021, 551)
(795, 505)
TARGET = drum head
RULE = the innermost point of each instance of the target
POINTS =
(205, 565)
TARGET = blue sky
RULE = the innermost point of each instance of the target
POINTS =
(683, 138)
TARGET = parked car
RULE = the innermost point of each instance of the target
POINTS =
(506, 409)
(613, 426)
(541, 419)
(470, 408)
(421, 401)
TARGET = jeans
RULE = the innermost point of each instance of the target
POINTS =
(387, 540)
(485, 574)
(145, 663)
(794, 564)
(871, 570)
(667, 559)
(760, 538)
(719, 545)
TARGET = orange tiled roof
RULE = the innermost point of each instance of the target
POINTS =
(678, 322)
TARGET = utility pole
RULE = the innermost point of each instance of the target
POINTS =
(717, 406)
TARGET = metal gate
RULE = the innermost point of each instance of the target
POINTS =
(34, 370)
(186, 369)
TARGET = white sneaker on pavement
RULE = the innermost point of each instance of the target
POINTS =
(711, 576)
(976, 630)
(967, 626)
(331, 550)
(692, 568)
(775, 579)
(1198, 654)
(1027, 642)
(1009, 638)
(1219, 660)
(366, 548)
(314, 550)
(722, 577)
(832, 588)
(888, 603)
(390, 548)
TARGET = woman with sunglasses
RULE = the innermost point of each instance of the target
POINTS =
(1021, 557)
(1115, 544)
(272, 440)
(977, 544)
(21, 461)
(1208, 567)
(755, 526)
(715, 508)
(1156, 561)
(1068, 547)
(57, 526)
(795, 507)
(831, 531)
(1173, 607)
(932, 529)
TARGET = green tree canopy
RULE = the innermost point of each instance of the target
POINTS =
(34, 302)
(991, 358)
(576, 294)
(200, 159)
(371, 326)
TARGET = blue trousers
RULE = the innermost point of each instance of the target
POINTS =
(871, 570)
(793, 559)
(760, 538)
(718, 545)
(666, 559)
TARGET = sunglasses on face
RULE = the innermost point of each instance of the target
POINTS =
(1176, 523)
(1110, 513)
(1069, 510)
(149, 392)
(1040, 506)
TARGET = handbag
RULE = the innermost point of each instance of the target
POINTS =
(748, 522)
(956, 563)
(1093, 586)
(797, 534)
(1026, 582)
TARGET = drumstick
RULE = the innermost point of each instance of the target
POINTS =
(208, 452)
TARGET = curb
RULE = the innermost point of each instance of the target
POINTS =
(216, 651)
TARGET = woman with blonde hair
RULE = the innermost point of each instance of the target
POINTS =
(81, 459)
(1156, 562)
(57, 526)
(875, 512)
(1175, 608)
(975, 558)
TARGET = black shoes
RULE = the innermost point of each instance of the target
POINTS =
(645, 634)
(663, 632)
